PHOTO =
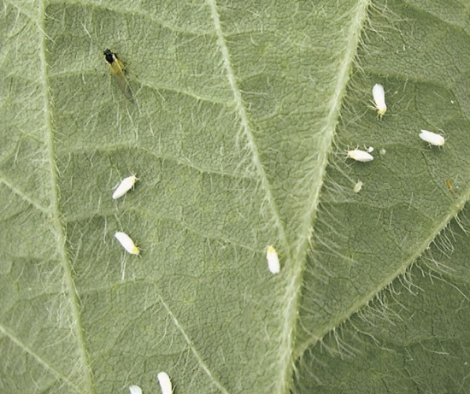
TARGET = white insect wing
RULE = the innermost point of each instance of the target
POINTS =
(378, 93)
(165, 383)
(135, 389)
(360, 155)
(125, 185)
(126, 242)
(273, 260)
(432, 138)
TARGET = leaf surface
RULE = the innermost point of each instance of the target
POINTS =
(238, 127)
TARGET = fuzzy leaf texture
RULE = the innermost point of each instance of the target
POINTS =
(241, 117)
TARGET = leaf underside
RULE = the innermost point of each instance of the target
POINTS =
(241, 117)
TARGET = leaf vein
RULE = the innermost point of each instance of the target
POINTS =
(240, 108)
(192, 347)
(39, 359)
(23, 195)
(57, 225)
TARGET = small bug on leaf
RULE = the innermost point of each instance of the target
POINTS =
(432, 138)
(125, 185)
(135, 389)
(273, 260)
(165, 383)
(449, 186)
(360, 155)
(378, 93)
(357, 187)
(119, 73)
(127, 243)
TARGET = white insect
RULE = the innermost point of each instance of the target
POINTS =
(378, 93)
(125, 185)
(357, 187)
(273, 260)
(127, 243)
(433, 138)
(360, 155)
(135, 389)
(165, 383)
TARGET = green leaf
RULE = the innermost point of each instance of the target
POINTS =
(240, 120)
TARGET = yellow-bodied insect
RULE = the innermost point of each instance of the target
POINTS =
(119, 73)
(449, 186)
(273, 260)
(127, 243)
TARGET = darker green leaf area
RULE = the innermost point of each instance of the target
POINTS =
(414, 338)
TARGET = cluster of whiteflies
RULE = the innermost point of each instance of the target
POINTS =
(118, 70)
(378, 94)
(128, 244)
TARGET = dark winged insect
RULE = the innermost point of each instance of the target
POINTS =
(119, 73)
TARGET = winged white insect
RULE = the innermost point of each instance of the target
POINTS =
(273, 260)
(378, 93)
(125, 185)
(127, 243)
(360, 155)
(135, 389)
(432, 138)
(165, 383)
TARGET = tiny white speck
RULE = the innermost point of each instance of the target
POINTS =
(135, 389)
(370, 149)
(378, 93)
(357, 187)
(360, 155)
(273, 260)
(432, 138)
(165, 383)
(125, 185)
(382, 151)
(127, 243)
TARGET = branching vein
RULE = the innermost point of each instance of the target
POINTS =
(55, 213)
